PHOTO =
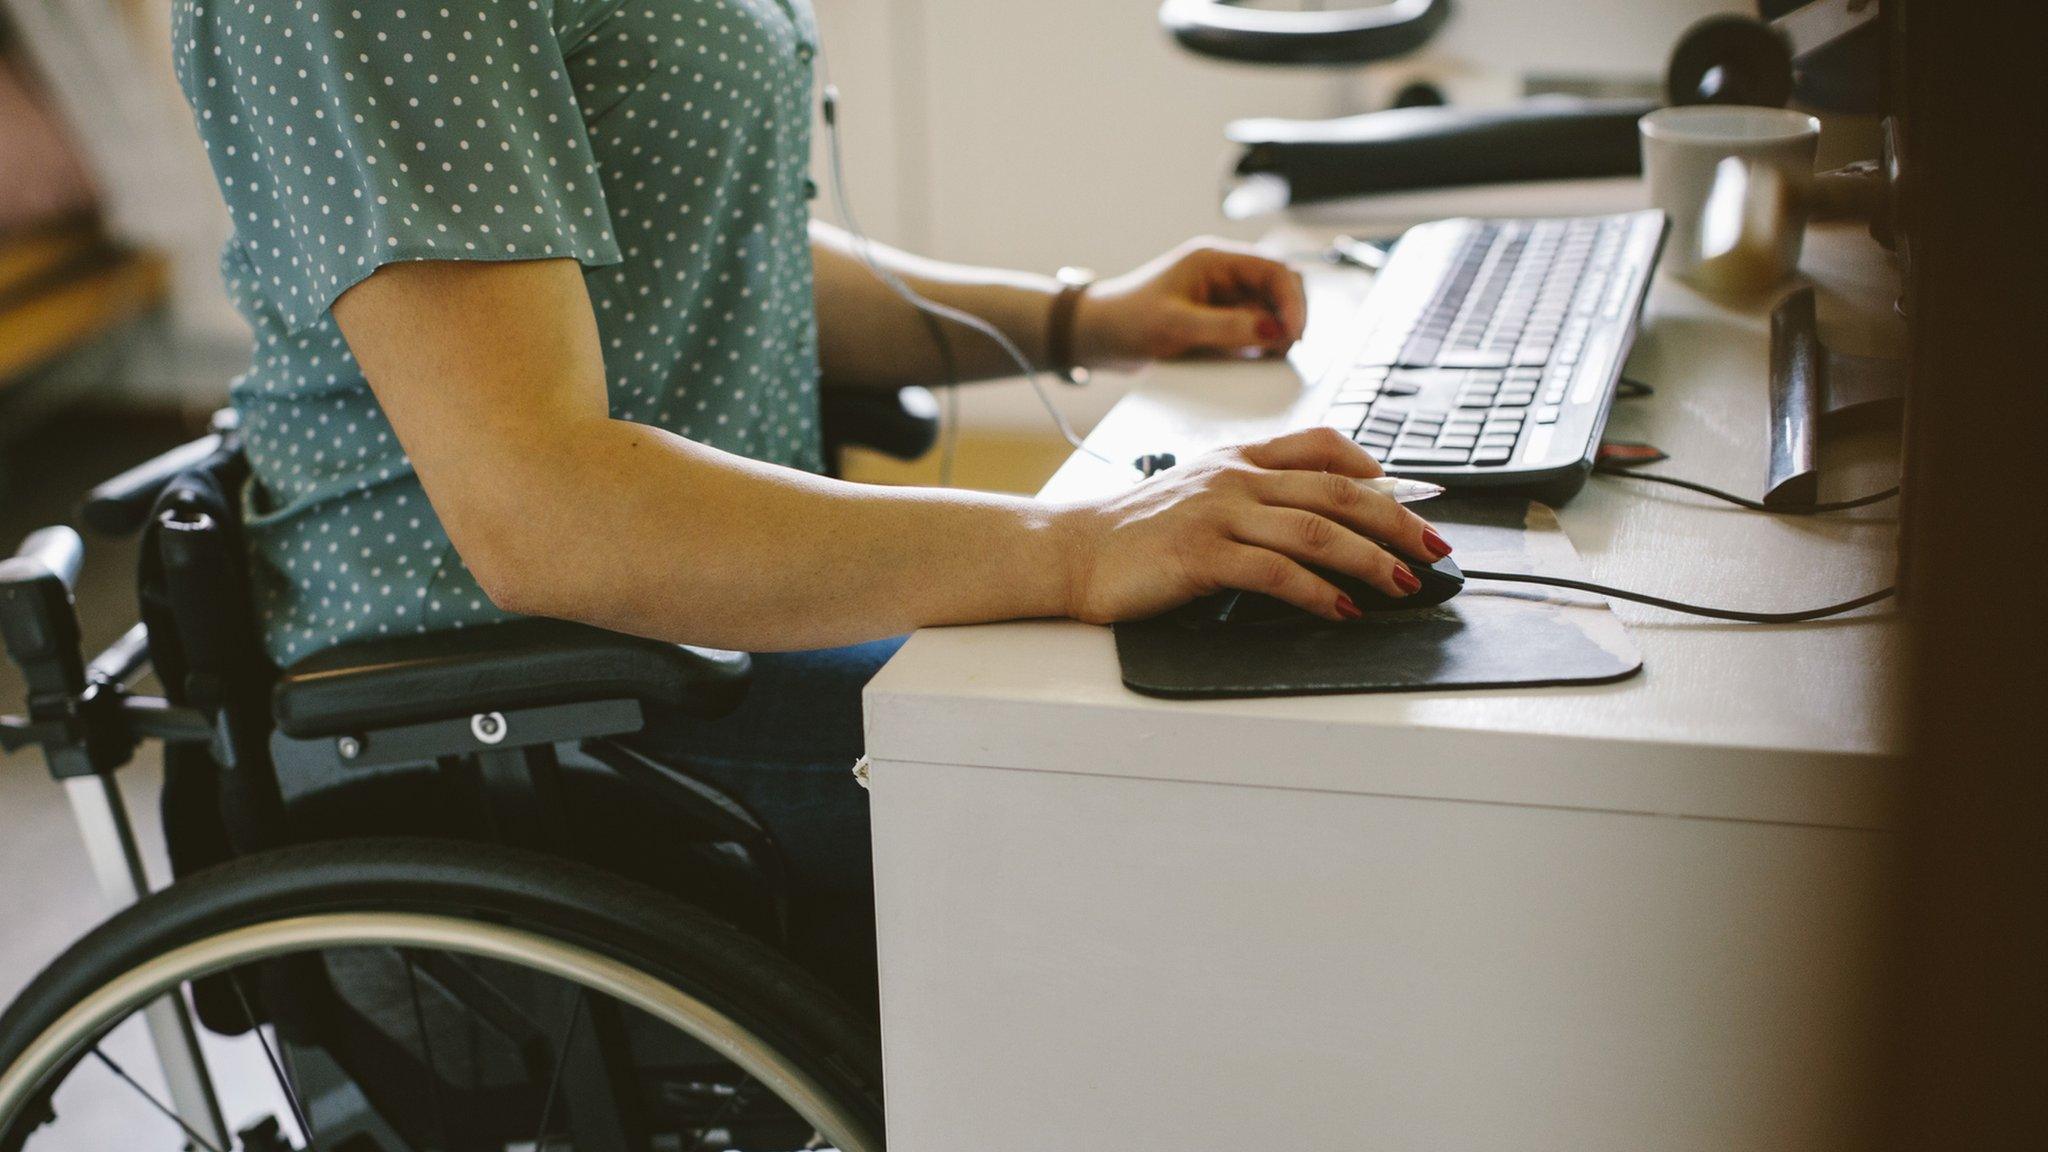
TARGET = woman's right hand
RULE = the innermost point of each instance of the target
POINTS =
(1251, 517)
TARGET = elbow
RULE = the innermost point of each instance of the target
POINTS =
(536, 541)
(509, 590)
(507, 569)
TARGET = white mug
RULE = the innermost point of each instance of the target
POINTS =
(1735, 183)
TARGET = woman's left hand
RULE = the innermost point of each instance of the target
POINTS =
(1206, 297)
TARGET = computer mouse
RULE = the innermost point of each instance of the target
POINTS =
(1440, 581)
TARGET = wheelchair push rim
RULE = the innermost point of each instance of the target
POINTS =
(75, 1033)
(105, 995)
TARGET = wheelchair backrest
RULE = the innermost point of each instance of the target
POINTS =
(194, 596)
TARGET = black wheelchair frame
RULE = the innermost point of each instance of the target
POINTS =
(488, 707)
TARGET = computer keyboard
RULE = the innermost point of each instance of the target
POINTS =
(1489, 350)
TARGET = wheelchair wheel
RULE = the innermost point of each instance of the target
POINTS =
(418, 994)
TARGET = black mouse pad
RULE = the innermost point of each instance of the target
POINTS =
(1492, 635)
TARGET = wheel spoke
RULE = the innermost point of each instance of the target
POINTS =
(155, 1103)
(730, 1107)
(419, 1019)
(547, 1104)
(284, 1082)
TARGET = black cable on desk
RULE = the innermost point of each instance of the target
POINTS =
(1689, 609)
(1744, 501)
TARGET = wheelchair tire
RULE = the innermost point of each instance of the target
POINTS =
(761, 1005)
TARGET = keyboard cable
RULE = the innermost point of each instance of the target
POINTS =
(1689, 609)
(1629, 388)
(1628, 473)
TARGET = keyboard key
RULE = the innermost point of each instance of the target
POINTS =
(1431, 377)
(1473, 359)
(1355, 395)
(1460, 441)
(1548, 414)
(1376, 443)
(1421, 349)
(1430, 456)
(1489, 456)
(1345, 418)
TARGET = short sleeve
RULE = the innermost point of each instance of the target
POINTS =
(348, 134)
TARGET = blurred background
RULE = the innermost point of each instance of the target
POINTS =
(1027, 135)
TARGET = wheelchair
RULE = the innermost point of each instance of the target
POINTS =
(428, 876)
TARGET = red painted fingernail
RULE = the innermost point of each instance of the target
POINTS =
(1437, 545)
(1348, 608)
(1406, 579)
(1269, 329)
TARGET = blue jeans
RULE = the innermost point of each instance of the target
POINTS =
(787, 753)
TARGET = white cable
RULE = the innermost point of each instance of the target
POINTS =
(865, 249)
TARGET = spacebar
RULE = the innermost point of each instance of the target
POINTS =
(1475, 359)
(1430, 456)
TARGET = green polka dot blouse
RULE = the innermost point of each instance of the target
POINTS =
(663, 144)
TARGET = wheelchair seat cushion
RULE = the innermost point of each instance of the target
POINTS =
(517, 664)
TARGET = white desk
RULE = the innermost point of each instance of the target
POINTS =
(1631, 916)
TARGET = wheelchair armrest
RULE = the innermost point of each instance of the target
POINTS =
(355, 688)
(903, 423)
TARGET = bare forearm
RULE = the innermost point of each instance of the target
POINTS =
(630, 528)
(492, 375)
(871, 337)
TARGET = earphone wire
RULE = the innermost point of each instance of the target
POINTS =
(841, 202)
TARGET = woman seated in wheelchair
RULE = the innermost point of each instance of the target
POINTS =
(541, 318)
